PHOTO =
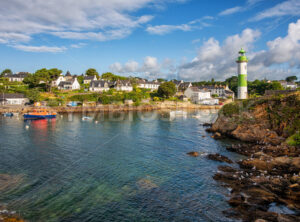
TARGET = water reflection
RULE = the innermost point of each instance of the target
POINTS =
(133, 169)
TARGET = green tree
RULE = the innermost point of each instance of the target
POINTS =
(92, 72)
(33, 95)
(167, 89)
(291, 78)
(275, 86)
(42, 77)
(5, 72)
(112, 77)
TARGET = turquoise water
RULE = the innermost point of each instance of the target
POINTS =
(126, 167)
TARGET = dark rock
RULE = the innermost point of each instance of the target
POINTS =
(207, 124)
(193, 153)
(220, 158)
(217, 135)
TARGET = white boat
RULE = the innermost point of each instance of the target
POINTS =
(87, 118)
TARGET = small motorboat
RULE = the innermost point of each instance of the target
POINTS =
(87, 118)
(40, 114)
(8, 114)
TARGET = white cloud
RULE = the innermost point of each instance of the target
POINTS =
(165, 29)
(99, 20)
(6, 37)
(231, 11)
(78, 45)
(149, 68)
(249, 5)
(215, 60)
(28, 48)
(282, 50)
(287, 8)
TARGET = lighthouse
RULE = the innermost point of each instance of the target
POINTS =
(242, 61)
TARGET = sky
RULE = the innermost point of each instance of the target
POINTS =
(192, 40)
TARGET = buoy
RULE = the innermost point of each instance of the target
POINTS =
(96, 122)
(27, 127)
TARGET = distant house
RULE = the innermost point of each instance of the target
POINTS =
(123, 85)
(88, 79)
(220, 91)
(71, 84)
(66, 79)
(288, 85)
(99, 86)
(183, 86)
(144, 84)
(56, 82)
(13, 99)
(200, 96)
(19, 77)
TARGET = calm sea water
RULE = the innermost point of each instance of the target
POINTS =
(125, 167)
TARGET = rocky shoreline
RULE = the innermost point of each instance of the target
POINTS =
(270, 174)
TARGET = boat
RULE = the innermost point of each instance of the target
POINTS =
(8, 114)
(40, 114)
(87, 118)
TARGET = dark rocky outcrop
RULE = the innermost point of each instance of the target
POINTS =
(271, 173)
(218, 157)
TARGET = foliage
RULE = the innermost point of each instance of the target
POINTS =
(42, 77)
(112, 77)
(291, 78)
(230, 109)
(85, 97)
(92, 72)
(166, 89)
(294, 140)
(33, 95)
(5, 72)
(214, 95)
(80, 79)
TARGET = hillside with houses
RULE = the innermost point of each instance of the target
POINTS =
(53, 88)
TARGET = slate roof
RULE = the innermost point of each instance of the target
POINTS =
(4, 96)
(99, 83)
(18, 75)
(89, 77)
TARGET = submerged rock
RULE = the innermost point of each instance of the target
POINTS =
(9, 181)
(146, 184)
(193, 153)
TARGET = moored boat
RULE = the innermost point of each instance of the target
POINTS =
(40, 114)
(8, 114)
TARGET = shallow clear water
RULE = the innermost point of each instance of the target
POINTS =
(126, 167)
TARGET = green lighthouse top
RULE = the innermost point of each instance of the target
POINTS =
(242, 57)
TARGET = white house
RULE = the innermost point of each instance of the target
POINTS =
(288, 85)
(99, 86)
(220, 91)
(72, 84)
(56, 82)
(19, 77)
(13, 99)
(88, 79)
(123, 85)
(200, 96)
(144, 84)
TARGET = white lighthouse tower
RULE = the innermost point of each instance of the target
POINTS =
(242, 75)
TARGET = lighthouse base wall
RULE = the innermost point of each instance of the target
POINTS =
(242, 92)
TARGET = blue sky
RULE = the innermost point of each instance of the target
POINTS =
(183, 39)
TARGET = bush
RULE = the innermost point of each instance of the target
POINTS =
(230, 109)
(294, 140)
